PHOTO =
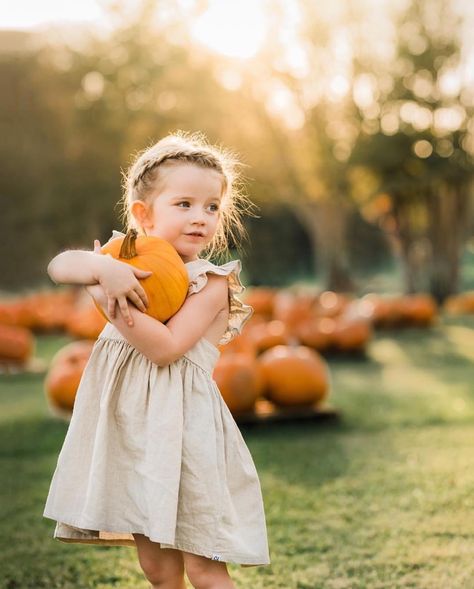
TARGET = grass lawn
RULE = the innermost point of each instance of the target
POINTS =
(382, 500)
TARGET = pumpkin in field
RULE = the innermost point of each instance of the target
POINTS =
(239, 380)
(460, 304)
(167, 287)
(293, 309)
(294, 375)
(50, 310)
(65, 373)
(317, 333)
(384, 311)
(16, 344)
(330, 304)
(15, 313)
(419, 309)
(261, 300)
(269, 334)
(85, 322)
(241, 344)
(351, 334)
(255, 319)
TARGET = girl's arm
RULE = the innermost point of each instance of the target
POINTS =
(118, 279)
(163, 344)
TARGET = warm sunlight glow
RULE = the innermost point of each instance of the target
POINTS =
(25, 14)
(235, 29)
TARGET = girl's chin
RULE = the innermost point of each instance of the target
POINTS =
(189, 253)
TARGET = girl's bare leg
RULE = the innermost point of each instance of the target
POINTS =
(205, 573)
(163, 567)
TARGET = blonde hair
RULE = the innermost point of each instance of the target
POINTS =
(143, 178)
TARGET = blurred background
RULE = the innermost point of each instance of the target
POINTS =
(354, 123)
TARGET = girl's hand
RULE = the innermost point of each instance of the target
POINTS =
(97, 293)
(119, 281)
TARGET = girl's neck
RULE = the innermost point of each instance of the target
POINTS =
(189, 261)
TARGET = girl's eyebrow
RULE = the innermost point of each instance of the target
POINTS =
(184, 197)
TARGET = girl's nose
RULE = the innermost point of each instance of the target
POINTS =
(199, 218)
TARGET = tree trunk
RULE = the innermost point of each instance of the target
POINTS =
(326, 223)
(449, 212)
(408, 234)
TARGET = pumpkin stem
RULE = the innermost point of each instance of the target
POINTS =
(128, 249)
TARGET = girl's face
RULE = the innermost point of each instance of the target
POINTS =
(186, 210)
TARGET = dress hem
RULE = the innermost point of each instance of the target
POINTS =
(223, 557)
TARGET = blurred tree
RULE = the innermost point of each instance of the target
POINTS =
(418, 140)
(399, 114)
(298, 158)
(297, 106)
(72, 119)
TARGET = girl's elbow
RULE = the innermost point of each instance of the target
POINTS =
(161, 360)
(166, 357)
(51, 271)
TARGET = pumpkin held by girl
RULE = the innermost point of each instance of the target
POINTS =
(167, 287)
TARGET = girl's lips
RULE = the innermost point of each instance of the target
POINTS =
(200, 235)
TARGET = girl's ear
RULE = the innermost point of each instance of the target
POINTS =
(141, 212)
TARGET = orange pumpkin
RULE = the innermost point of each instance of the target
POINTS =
(50, 310)
(460, 304)
(330, 304)
(268, 335)
(239, 380)
(420, 309)
(261, 299)
(294, 375)
(383, 311)
(16, 344)
(241, 344)
(167, 287)
(255, 319)
(65, 372)
(15, 313)
(317, 333)
(85, 322)
(293, 309)
(352, 334)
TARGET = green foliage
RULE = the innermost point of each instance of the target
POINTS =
(420, 147)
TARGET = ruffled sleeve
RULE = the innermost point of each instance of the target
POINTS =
(116, 234)
(239, 312)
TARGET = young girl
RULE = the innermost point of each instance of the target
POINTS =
(153, 457)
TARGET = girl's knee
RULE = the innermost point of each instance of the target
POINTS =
(204, 573)
(162, 572)
(159, 565)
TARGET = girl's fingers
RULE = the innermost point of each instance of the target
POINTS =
(137, 301)
(97, 246)
(140, 291)
(123, 305)
(111, 307)
(142, 273)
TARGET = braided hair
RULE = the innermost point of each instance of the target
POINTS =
(143, 179)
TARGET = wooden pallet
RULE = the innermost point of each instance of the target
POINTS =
(267, 412)
(32, 366)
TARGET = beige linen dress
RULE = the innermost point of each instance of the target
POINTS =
(155, 450)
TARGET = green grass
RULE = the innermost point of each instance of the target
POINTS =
(382, 500)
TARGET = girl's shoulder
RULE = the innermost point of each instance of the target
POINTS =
(239, 312)
(200, 268)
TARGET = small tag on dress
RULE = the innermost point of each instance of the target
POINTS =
(216, 557)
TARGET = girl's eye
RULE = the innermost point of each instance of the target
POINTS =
(184, 202)
(214, 207)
